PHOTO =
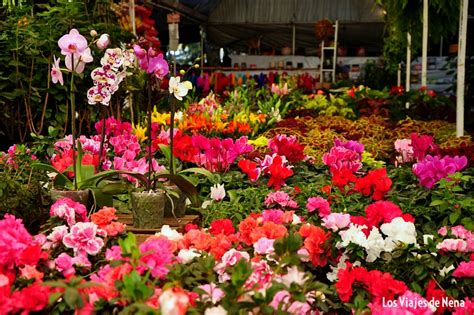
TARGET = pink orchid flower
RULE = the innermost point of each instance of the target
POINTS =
(56, 74)
(79, 60)
(72, 43)
(158, 66)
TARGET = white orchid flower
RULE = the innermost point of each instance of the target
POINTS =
(179, 89)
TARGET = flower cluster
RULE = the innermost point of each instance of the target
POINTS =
(108, 77)
(375, 183)
(432, 169)
(275, 166)
(344, 155)
(287, 146)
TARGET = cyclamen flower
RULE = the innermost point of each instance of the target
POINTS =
(422, 145)
(218, 192)
(433, 168)
(83, 239)
(278, 171)
(340, 157)
(70, 210)
(287, 146)
(376, 182)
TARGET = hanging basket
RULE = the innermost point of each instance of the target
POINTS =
(324, 30)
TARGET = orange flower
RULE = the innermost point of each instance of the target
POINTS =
(114, 228)
(104, 216)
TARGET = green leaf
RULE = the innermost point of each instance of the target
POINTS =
(437, 202)
(185, 186)
(453, 217)
(50, 168)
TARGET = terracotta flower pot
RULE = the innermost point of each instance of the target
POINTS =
(148, 209)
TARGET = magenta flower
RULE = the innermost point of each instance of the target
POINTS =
(83, 239)
(156, 255)
(342, 158)
(56, 74)
(99, 94)
(158, 66)
(320, 204)
(14, 239)
(464, 270)
(433, 168)
(65, 264)
(273, 215)
(422, 145)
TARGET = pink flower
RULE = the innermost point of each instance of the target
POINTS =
(454, 245)
(83, 239)
(99, 94)
(461, 232)
(264, 246)
(280, 300)
(70, 210)
(103, 41)
(344, 155)
(233, 256)
(113, 253)
(57, 235)
(157, 253)
(72, 43)
(443, 231)
(14, 239)
(261, 276)
(281, 198)
(319, 203)
(273, 215)
(213, 293)
(65, 264)
(404, 148)
(466, 308)
(464, 270)
(56, 74)
(337, 221)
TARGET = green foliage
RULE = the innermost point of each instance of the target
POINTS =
(28, 40)
(404, 16)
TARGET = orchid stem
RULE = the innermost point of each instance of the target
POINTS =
(150, 165)
(172, 110)
(73, 123)
(102, 138)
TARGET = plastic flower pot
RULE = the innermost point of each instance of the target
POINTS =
(179, 203)
(148, 209)
(82, 196)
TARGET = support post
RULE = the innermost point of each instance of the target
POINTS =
(293, 46)
(408, 72)
(399, 75)
(424, 54)
(461, 68)
(202, 49)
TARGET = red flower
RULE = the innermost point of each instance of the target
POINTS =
(249, 168)
(376, 181)
(422, 145)
(342, 177)
(31, 255)
(344, 284)
(278, 173)
(223, 226)
(190, 226)
(435, 294)
(381, 211)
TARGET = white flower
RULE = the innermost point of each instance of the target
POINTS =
(275, 113)
(179, 89)
(178, 115)
(398, 231)
(353, 235)
(294, 276)
(332, 275)
(426, 238)
(170, 233)
(206, 204)
(296, 219)
(187, 255)
(217, 192)
(217, 310)
(375, 245)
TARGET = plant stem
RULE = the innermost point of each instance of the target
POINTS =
(73, 122)
(102, 138)
(172, 110)
(150, 165)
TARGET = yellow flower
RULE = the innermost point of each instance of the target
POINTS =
(259, 142)
(159, 118)
(140, 132)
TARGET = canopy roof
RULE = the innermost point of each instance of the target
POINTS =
(231, 23)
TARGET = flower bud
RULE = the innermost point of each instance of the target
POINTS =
(103, 41)
(182, 72)
(196, 66)
(93, 33)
